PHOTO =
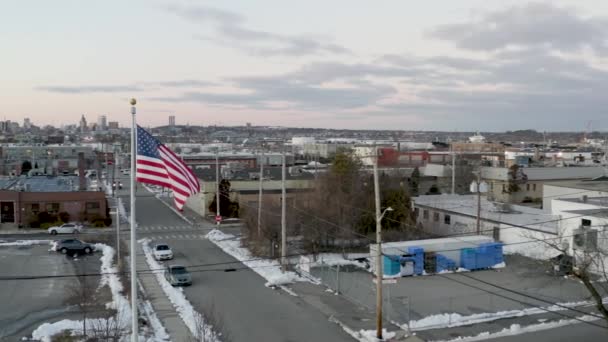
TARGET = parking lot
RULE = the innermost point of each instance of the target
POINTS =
(413, 298)
(27, 303)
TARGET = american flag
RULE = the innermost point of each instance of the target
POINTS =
(158, 165)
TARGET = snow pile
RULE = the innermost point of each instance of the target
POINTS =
(449, 320)
(370, 335)
(158, 330)
(191, 317)
(25, 243)
(47, 330)
(501, 265)
(516, 329)
(110, 277)
(269, 269)
(122, 211)
(335, 259)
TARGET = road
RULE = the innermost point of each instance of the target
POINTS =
(28, 303)
(248, 310)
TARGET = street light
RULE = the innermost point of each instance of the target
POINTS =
(384, 212)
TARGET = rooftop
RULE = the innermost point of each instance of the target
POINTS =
(40, 184)
(514, 215)
(589, 185)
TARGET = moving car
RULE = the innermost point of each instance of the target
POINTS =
(178, 275)
(66, 228)
(73, 246)
(119, 184)
(162, 252)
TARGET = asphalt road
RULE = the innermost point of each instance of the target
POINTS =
(28, 303)
(248, 310)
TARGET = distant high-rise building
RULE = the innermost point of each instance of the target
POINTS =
(102, 123)
(27, 124)
(83, 124)
(172, 120)
(113, 125)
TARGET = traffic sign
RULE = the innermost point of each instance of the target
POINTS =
(218, 218)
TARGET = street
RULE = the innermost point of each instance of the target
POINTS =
(248, 310)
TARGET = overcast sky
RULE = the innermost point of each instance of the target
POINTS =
(428, 65)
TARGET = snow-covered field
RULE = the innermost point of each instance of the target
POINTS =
(193, 320)
(269, 269)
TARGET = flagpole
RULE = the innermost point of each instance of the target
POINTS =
(134, 323)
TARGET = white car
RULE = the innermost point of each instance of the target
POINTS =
(162, 252)
(66, 228)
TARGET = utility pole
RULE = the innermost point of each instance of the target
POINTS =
(283, 217)
(260, 194)
(378, 249)
(453, 169)
(479, 202)
(218, 215)
(118, 261)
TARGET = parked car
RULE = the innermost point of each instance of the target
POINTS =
(73, 246)
(162, 252)
(178, 275)
(66, 228)
(119, 184)
(125, 171)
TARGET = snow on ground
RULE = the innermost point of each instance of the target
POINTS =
(25, 243)
(122, 211)
(159, 333)
(370, 335)
(449, 320)
(335, 259)
(110, 278)
(189, 315)
(517, 329)
(269, 269)
(119, 302)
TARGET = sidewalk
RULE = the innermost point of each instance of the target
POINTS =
(175, 326)
(17, 231)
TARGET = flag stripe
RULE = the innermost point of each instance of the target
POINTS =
(158, 165)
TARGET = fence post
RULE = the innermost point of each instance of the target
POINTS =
(338, 279)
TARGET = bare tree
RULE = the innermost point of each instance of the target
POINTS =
(82, 294)
(588, 253)
(111, 328)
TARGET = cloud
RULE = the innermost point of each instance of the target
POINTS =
(264, 92)
(186, 83)
(139, 87)
(230, 30)
(531, 25)
(90, 89)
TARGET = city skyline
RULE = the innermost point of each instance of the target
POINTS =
(437, 66)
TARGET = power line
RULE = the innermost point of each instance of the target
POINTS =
(528, 304)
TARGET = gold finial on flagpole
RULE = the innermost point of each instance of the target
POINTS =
(133, 102)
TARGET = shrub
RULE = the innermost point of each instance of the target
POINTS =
(107, 221)
(34, 224)
(44, 217)
(98, 224)
(64, 217)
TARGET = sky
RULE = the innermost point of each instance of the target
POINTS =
(351, 64)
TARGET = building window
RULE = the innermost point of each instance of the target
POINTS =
(496, 233)
(416, 212)
(586, 223)
(491, 186)
(504, 188)
(425, 214)
(436, 216)
(447, 219)
(533, 187)
(92, 207)
(527, 187)
(35, 209)
(52, 208)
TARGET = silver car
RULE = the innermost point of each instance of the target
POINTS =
(178, 275)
